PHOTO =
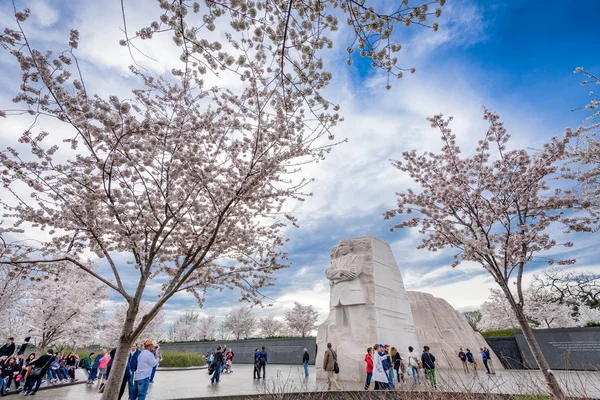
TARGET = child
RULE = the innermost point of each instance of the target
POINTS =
(369, 361)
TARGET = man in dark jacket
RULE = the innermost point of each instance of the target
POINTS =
(132, 362)
(34, 381)
(218, 362)
(8, 349)
(256, 356)
(428, 361)
(305, 360)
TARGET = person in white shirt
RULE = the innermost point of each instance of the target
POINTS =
(146, 361)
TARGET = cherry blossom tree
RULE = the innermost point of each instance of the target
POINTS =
(473, 318)
(540, 311)
(572, 288)
(493, 207)
(240, 322)
(12, 289)
(186, 327)
(301, 319)
(109, 335)
(585, 153)
(63, 308)
(222, 332)
(187, 180)
(207, 327)
(269, 326)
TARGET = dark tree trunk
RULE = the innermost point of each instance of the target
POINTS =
(119, 364)
(553, 385)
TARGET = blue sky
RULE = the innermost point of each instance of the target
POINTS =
(515, 57)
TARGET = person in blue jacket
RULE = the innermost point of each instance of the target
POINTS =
(471, 360)
(132, 361)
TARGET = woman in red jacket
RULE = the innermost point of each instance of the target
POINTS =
(369, 361)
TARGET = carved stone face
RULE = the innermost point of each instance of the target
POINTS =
(343, 248)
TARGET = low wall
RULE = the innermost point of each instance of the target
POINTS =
(563, 348)
(507, 351)
(280, 351)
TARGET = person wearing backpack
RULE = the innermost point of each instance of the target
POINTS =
(463, 358)
(413, 364)
(428, 361)
(489, 360)
(329, 362)
(485, 360)
(263, 360)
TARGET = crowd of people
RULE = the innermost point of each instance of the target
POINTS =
(386, 368)
(27, 374)
(470, 364)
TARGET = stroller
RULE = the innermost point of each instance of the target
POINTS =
(227, 367)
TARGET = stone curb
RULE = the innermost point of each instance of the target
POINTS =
(167, 369)
(46, 387)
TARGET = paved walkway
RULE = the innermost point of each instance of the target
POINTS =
(196, 383)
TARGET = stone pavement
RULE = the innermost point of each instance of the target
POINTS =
(196, 383)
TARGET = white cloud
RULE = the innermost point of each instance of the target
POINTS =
(44, 13)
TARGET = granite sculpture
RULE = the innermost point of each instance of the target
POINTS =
(368, 305)
(445, 330)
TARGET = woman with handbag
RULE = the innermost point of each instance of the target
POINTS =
(36, 372)
(413, 364)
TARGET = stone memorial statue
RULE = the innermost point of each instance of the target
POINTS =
(369, 305)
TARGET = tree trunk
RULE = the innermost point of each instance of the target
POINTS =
(119, 364)
(555, 390)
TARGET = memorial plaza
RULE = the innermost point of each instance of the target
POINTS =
(194, 384)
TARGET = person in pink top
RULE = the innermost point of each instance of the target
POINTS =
(102, 365)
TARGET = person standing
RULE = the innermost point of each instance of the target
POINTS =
(102, 366)
(38, 369)
(397, 362)
(329, 365)
(389, 366)
(471, 360)
(256, 370)
(305, 360)
(413, 364)
(379, 375)
(485, 360)
(463, 358)
(132, 361)
(218, 362)
(8, 348)
(263, 360)
(145, 363)
(230, 355)
(489, 360)
(369, 362)
(158, 354)
(428, 361)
